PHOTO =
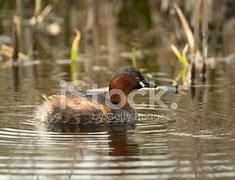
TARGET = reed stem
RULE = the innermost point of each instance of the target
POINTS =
(204, 38)
(16, 32)
(196, 22)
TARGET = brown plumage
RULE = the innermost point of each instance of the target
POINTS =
(71, 109)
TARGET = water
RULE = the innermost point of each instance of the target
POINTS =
(194, 141)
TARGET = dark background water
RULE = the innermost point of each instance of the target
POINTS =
(196, 140)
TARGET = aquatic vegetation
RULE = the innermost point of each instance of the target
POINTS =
(183, 72)
(193, 40)
(75, 46)
(74, 54)
(181, 56)
(205, 37)
(133, 57)
(50, 23)
(7, 51)
(16, 33)
(187, 29)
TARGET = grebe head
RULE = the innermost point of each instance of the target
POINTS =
(126, 80)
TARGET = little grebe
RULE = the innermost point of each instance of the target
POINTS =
(84, 109)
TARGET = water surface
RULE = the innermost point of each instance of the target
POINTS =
(194, 141)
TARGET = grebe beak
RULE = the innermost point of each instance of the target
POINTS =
(147, 84)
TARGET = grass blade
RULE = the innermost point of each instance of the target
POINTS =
(186, 27)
